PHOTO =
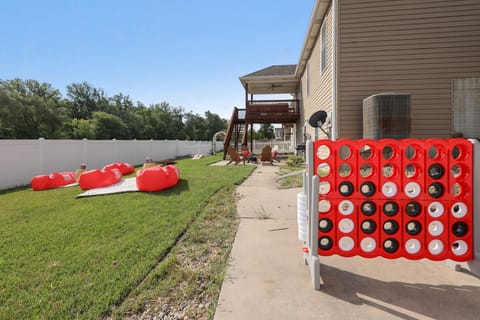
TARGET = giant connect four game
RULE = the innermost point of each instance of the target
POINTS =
(395, 198)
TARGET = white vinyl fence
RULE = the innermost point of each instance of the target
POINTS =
(283, 146)
(21, 160)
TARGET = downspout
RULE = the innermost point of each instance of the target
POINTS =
(334, 70)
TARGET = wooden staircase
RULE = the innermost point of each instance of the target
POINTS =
(236, 131)
(259, 111)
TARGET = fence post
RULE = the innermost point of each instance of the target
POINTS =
(114, 150)
(85, 150)
(41, 155)
(135, 152)
(151, 148)
(177, 147)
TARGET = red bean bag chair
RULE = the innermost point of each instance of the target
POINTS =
(125, 168)
(173, 175)
(41, 182)
(157, 178)
(53, 180)
(99, 178)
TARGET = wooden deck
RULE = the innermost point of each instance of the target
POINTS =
(271, 113)
(258, 111)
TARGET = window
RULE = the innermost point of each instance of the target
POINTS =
(323, 57)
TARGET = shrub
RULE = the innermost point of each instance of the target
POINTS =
(295, 161)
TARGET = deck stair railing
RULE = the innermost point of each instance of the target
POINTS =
(235, 130)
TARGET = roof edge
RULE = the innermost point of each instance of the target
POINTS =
(252, 74)
(316, 20)
(254, 77)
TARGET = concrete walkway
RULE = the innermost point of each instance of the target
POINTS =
(267, 277)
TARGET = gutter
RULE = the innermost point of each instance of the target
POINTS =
(318, 13)
(333, 134)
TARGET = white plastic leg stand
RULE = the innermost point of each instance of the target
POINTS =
(313, 260)
(307, 186)
(312, 237)
(305, 191)
(473, 266)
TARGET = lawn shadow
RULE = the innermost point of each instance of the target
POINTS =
(16, 189)
(434, 301)
(180, 187)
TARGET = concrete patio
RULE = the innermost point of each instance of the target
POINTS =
(267, 277)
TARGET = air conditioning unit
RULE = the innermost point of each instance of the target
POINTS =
(466, 107)
(386, 115)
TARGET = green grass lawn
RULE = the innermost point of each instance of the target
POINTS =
(294, 165)
(65, 258)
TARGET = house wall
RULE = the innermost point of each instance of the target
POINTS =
(406, 46)
(299, 138)
(320, 93)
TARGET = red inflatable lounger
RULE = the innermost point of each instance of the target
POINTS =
(125, 168)
(157, 178)
(53, 180)
(99, 178)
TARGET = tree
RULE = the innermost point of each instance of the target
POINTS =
(123, 107)
(164, 122)
(31, 109)
(176, 127)
(213, 124)
(6, 126)
(85, 100)
(203, 128)
(82, 128)
(108, 126)
(266, 131)
(195, 127)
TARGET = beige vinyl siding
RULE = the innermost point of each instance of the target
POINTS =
(320, 97)
(405, 46)
(299, 125)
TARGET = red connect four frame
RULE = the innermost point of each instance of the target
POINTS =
(395, 198)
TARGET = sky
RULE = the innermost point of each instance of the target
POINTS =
(189, 53)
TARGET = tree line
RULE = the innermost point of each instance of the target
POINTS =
(30, 110)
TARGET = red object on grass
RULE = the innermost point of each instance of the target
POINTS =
(125, 168)
(53, 180)
(99, 178)
(157, 178)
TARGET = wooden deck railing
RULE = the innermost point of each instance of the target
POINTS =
(273, 111)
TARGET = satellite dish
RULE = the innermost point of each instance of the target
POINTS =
(318, 119)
